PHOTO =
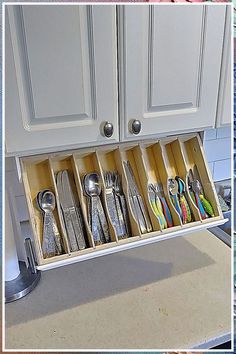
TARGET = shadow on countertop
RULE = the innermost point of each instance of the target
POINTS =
(73, 285)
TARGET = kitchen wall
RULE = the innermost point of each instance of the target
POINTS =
(217, 144)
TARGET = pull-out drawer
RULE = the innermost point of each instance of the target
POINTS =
(151, 162)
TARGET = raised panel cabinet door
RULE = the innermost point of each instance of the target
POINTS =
(170, 59)
(60, 76)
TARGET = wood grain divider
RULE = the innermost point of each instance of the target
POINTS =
(178, 154)
(194, 155)
(162, 163)
(59, 211)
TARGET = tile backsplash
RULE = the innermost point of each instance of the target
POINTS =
(217, 145)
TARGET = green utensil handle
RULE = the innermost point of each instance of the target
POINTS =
(206, 205)
(159, 207)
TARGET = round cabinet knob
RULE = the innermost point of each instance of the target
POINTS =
(108, 129)
(135, 125)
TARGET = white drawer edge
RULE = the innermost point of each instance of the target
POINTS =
(215, 341)
(137, 243)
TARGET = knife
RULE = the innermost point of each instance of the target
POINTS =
(66, 214)
(70, 202)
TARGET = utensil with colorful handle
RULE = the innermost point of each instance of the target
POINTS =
(152, 198)
(202, 202)
(165, 207)
(173, 190)
(194, 192)
(186, 211)
(159, 206)
(166, 212)
(160, 209)
(207, 205)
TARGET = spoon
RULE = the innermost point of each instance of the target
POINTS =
(99, 226)
(197, 188)
(51, 237)
(173, 189)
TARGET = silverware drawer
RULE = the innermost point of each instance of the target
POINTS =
(152, 162)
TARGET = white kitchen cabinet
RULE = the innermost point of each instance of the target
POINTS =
(170, 61)
(61, 77)
(225, 106)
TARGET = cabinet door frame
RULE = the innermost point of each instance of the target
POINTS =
(147, 117)
(225, 98)
(73, 131)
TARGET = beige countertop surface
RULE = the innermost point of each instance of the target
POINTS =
(174, 294)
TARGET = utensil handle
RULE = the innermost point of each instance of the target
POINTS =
(184, 209)
(70, 231)
(112, 209)
(123, 232)
(145, 213)
(103, 220)
(94, 220)
(167, 212)
(139, 215)
(125, 213)
(48, 244)
(206, 205)
(160, 210)
(56, 234)
(156, 212)
(175, 201)
(77, 229)
(200, 206)
(189, 214)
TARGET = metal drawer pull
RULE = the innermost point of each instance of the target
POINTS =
(135, 126)
(108, 129)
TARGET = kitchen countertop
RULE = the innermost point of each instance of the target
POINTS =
(172, 294)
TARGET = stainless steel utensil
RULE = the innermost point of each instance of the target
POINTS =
(90, 190)
(92, 187)
(165, 207)
(137, 204)
(112, 203)
(121, 205)
(173, 190)
(71, 237)
(75, 213)
(51, 244)
(156, 205)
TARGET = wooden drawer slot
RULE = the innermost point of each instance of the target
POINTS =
(175, 157)
(162, 162)
(37, 176)
(156, 173)
(194, 156)
(59, 163)
(133, 154)
(110, 161)
(172, 154)
(88, 163)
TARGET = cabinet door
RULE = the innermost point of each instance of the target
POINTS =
(61, 76)
(170, 59)
(225, 102)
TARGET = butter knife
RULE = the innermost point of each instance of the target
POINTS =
(70, 202)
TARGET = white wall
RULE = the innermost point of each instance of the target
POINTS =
(217, 144)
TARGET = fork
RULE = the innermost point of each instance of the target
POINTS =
(165, 208)
(111, 203)
(122, 210)
(156, 205)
